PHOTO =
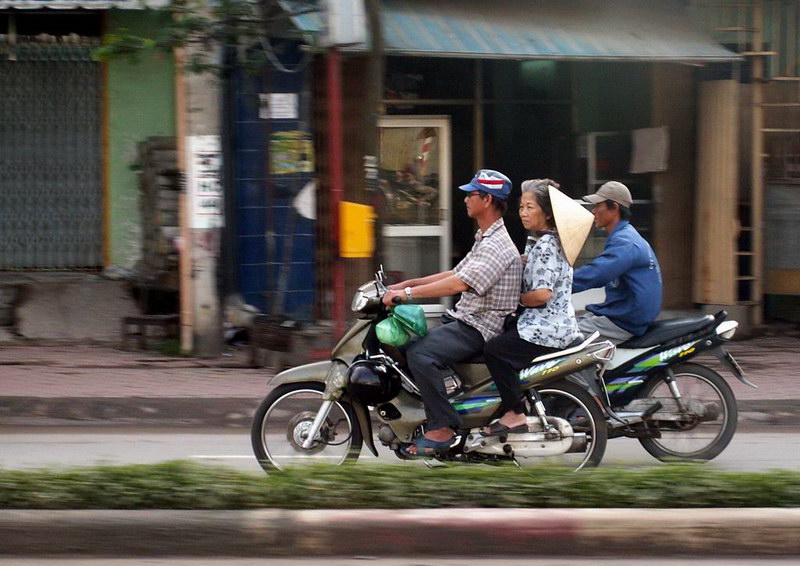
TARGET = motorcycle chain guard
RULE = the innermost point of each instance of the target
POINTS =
(693, 410)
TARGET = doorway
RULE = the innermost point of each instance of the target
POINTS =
(415, 180)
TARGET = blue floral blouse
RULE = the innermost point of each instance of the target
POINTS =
(553, 324)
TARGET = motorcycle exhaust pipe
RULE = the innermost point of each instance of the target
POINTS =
(579, 442)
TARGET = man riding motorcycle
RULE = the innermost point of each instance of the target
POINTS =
(488, 279)
(627, 268)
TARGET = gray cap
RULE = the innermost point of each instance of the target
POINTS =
(612, 190)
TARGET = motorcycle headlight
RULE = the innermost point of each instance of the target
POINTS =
(360, 301)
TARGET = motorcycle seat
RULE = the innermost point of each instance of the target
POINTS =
(665, 330)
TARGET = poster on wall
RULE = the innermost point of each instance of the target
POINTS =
(291, 152)
(203, 169)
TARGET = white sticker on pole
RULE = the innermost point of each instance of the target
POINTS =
(203, 181)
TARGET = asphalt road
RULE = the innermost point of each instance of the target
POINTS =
(33, 447)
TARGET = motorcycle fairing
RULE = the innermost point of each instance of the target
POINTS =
(666, 357)
(623, 383)
(475, 405)
(316, 371)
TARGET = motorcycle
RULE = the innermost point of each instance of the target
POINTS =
(320, 412)
(678, 409)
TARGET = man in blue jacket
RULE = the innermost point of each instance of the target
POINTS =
(628, 269)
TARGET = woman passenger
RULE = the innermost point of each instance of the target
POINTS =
(547, 321)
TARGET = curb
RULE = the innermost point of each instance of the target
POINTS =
(130, 411)
(376, 532)
(238, 411)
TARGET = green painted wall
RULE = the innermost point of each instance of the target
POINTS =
(141, 103)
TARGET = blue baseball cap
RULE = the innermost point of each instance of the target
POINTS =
(491, 182)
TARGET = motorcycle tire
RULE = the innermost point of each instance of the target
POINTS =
(689, 444)
(575, 404)
(286, 413)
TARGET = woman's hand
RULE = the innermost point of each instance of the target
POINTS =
(524, 258)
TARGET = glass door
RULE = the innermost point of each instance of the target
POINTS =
(415, 189)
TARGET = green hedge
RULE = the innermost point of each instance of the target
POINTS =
(185, 485)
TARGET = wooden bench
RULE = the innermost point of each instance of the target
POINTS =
(269, 333)
(168, 322)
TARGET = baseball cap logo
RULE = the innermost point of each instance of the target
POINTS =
(489, 181)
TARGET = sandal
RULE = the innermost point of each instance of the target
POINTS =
(426, 448)
(499, 429)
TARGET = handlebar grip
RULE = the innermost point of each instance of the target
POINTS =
(396, 300)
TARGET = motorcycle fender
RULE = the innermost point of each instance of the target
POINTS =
(733, 366)
(365, 424)
(307, 372)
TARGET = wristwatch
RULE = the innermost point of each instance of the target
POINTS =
(408, 293)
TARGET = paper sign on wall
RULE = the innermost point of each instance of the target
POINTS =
(650, 150)
(278, 106)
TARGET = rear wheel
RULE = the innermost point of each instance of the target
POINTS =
(282, 421)
(706, 427)
(576, 405)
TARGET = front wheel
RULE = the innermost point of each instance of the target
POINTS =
(708, 422)
(283, 419)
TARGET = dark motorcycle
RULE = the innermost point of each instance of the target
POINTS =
(678, 409)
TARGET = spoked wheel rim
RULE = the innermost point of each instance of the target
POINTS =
(695, 438)
(286, 424)
(586, 419)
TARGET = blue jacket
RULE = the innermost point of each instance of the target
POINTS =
(629, 270)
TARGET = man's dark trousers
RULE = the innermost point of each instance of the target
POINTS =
(452, 342)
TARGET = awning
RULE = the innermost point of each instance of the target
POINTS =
(640, 30)
(81, 4)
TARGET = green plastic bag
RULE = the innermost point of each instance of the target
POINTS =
(412, 318)
(391, 332)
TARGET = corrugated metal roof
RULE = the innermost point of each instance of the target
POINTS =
(645, 30)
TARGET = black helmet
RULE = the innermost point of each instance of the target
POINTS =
(372, 383)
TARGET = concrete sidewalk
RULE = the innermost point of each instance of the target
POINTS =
(368, 533)
(50, 384)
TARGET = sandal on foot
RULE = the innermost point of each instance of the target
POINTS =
(426, 448)
(499, 429)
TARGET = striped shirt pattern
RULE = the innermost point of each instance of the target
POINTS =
(493, 271)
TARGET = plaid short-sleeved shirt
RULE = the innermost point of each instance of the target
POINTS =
(493, 271)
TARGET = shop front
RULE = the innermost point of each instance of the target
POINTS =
(599, 91)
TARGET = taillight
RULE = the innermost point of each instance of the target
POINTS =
(727, 329)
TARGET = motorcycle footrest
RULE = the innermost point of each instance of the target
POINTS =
(651, 410)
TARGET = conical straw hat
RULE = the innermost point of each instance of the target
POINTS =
(573, 223)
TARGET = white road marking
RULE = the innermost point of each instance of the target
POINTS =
(221, 456)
